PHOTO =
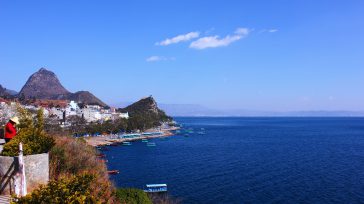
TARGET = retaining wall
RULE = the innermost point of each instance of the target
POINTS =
(36, 172)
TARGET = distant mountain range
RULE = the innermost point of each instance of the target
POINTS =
(6, 92)
(44, 84)
(195, 110)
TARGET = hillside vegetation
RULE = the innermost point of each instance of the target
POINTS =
(145, 114)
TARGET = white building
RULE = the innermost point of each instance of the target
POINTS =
(124, 115)
(72, 109)
(58, 112)
(7, 111)
(90, 114)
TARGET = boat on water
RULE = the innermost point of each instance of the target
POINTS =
(101, 156)
(103, 160)
(201, 133)
(129, 136)
(152, 133)
(113, 172)
(151, 144)
(102, 148)
(189, 130)
(155, 188)
(126, 143)
(144, 140)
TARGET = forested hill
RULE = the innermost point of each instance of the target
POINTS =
(146, 110)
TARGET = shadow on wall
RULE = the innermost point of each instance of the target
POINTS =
(36, 172)
(9, 167)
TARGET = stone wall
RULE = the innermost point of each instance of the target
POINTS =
(36, 172)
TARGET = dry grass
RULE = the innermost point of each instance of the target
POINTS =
(72, 156)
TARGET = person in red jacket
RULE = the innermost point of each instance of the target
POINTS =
(10, 130)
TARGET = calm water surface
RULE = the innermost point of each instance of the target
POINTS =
(252, 160)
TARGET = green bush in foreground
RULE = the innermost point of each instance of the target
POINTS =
(76, 190)
(31, 134)
(132, 196)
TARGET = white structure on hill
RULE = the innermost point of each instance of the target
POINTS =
(72, 109)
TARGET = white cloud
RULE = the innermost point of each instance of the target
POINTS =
(213, 41)
(209, 31)
(158, 58)
(179, 38)
(153, 59)
(272, 30)
(242, 31)
(216, 41)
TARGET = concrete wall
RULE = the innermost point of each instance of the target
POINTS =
(36, 172)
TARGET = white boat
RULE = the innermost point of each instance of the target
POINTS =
(126, 143)
(151, 144)
(155, 188)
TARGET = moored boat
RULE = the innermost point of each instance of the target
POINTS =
(101, 155)
(155, 188)
(113, 172)
(151, 144)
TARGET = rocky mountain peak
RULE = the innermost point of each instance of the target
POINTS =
(145, 105)
(44, 70)
(146, 108)
(149, 103)
(43, 84)
(2, 91)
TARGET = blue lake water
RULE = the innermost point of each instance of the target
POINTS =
(251, 160)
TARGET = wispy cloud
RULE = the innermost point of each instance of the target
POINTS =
(216, 41)
(272, 30)
(159, 58)
(242, 31)
(179, 38)
(209, 31)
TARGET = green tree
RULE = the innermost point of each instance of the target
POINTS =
(31, 134)
(132, 196)
(76, 189)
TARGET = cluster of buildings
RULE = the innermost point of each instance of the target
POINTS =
(91, 113)
(64, 110)
(7, 110)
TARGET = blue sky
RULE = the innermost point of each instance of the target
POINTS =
(254, 55)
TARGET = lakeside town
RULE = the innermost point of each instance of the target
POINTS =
(61, 112)
(56, 139)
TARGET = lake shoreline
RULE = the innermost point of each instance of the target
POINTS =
(106, 140)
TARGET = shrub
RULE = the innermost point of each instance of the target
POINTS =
(76, 189)
(72, 156)
(132, 196)
(31, 134)
(162, 198)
